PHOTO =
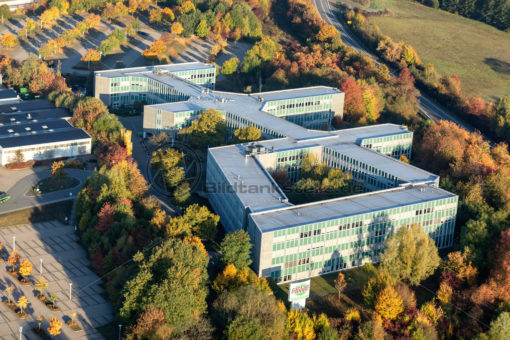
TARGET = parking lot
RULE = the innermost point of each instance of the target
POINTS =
(64, 262)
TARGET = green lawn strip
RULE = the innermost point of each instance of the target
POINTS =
(59, 211)
(476, 52)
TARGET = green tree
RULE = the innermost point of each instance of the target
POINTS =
(5, 12)
(262, 51)
(236, 249)
(182, 193)
(202, 29)
(230, 66)
(247, 134)
(499, 330)
(501, 120)
(410, 255)
(253, 304)
(207, 131)
(173, 278)
(243, 328)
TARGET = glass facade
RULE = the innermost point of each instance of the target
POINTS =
(351, 241)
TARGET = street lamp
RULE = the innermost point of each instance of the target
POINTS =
(13, 243)
(120, 330)
(20, 332)
(70, 290)
(40, 267)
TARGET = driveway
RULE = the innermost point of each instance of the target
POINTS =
(17, 183)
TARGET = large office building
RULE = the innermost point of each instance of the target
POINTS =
(36, 130)
(295, 241)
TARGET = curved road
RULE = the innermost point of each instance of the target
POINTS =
(20, 200)
(432, 110)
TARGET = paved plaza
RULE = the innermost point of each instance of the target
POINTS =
(64, 261)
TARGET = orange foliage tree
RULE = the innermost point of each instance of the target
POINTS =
(389, 304)
(55, 326)
(176, 28)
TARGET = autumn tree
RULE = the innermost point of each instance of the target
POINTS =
(168, 14)
(9, 290)
(49, 16)
(22, 303)
(410, 255)
(236, 249)
(232, 278)
(57, 169)
(247, 134)
(340, 284)
(13, 259)
(25, 268)
(9, 40)
(375, 285)
(327, 32)
(202, 29)
(176, 28)
(42, 284)
(187, 6)
(155, 15)
(106, 217)
(55, 326)
(230, 66)
(91, 56)
(388, 303)
(155, 49)
(206, 131)
(151, 323)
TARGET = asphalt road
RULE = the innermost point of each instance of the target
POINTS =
(328, 12)
(18, 192)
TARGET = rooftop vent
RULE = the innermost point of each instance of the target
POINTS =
(16, 134)
(29, 116)
(10, 130)
(50, 130)
(34, 132)
(27, 129)
(12, 119)
(45, 126)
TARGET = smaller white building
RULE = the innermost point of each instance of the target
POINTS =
(32, 139)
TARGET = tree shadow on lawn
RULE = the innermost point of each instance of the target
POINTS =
(497, 65)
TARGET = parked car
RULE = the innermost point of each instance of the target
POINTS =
(4, 197)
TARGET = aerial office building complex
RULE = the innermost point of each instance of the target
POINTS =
(292, 242)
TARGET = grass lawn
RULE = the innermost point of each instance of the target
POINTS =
(478, 53)
(51, 184)
(59, 211)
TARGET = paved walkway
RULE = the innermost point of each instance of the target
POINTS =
(64, 261)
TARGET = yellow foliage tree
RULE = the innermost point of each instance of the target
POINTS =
(49, 16)
(187, 6)
(42, 284)
(195, 240)
(55, 326)
(22, 303)
(232, 278)
(176, 28)
(432, 312)
(25, 268)
(57, 169)
(168, 14)
(352, 314)
(389, 304)
(444, 293)
(327, 32)
(300, 325)
(9, 40)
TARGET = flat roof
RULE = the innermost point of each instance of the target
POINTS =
(401, 170)
(346, 206)
(8, 94)
(177, 106)
(296, 93)
(28, 127)
(28, 105)
(35, 115)
(132, 71)
(252, 183)
(70, 134)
